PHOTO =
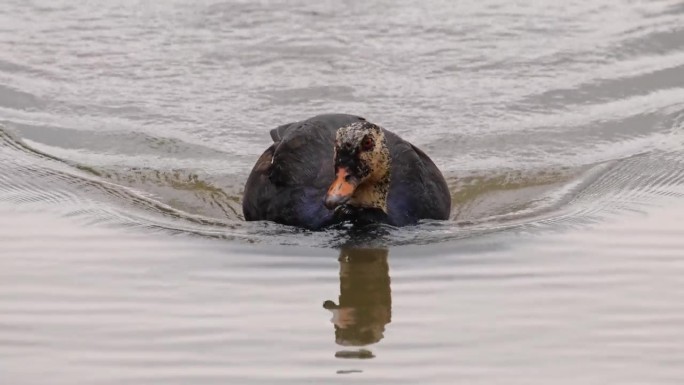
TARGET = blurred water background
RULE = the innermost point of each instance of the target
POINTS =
(127, 130)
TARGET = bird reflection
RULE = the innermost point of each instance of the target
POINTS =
(365, 302)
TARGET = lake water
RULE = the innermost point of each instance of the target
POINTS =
(127, 131)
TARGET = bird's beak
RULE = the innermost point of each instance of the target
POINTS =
(341, 189)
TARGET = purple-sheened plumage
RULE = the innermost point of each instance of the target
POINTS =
(289, 182)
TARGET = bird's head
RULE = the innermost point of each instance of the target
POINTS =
(362, 167)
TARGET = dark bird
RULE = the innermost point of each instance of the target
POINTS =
(335, 168)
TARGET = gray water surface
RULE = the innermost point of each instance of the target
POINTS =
(127, 131)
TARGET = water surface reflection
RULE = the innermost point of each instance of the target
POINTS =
(365, 302)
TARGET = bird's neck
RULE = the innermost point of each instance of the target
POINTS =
(372, 193)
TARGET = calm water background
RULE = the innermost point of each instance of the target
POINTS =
(127, 130)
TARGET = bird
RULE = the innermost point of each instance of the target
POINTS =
(338, 168)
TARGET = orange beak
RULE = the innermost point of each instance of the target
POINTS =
(341, 189)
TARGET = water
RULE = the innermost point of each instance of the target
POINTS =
(127, 131)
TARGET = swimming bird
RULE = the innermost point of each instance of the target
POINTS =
(336, 168)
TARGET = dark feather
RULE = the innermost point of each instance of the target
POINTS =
(289, 181)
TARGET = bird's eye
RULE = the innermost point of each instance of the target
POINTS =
(367, 144)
